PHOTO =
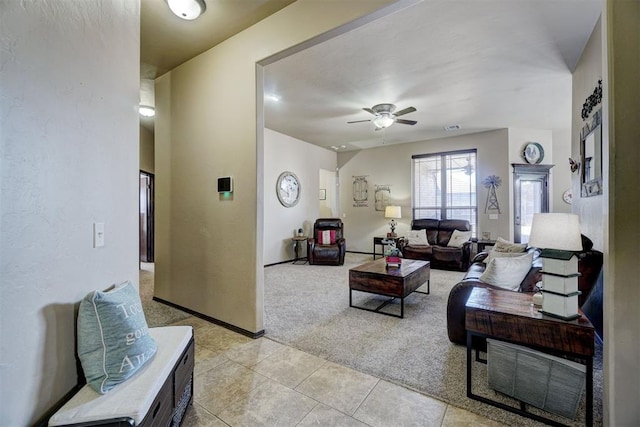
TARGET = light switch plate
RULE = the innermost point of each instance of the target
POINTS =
(98, 234)
(493, 216)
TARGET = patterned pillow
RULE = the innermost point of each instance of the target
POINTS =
(327, 237)
(495, 254)
(417, 237)
(458, 238)
(113, 336)
(503, 245)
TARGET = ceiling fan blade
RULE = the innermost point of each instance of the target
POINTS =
(369, 110)
(359, 121)
(406, 122)
(405, 111)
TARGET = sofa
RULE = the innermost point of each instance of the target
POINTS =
(437, 252)
(589, 266)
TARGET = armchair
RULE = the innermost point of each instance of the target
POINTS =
(332, 251)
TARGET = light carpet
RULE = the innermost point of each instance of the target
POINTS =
(307, 307)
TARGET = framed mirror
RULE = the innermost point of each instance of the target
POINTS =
(591, 157)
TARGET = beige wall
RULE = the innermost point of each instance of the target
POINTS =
(284, 153)
(209, 250)
(561, 175)
(391, 165)
(147, 160)
(69, 141)
(621, 29)
(585, 78)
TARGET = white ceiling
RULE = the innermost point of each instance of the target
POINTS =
(481, 64)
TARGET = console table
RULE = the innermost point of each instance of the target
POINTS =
(382, 242)
(510, 316)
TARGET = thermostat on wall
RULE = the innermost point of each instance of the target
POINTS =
(225, 184)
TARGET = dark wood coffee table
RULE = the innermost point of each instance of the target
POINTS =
(374, 277)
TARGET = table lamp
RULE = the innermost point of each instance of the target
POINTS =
(393, 212)
(558, 236)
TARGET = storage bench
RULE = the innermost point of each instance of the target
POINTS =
(157, 395)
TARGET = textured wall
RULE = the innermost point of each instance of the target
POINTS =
(284, 153)
(69, 145)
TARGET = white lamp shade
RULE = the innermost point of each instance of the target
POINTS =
(187, 9)
(556, 231)
(393, 212)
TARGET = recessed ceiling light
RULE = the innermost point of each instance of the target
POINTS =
(187, 9)
(452, 127)
(147, 111)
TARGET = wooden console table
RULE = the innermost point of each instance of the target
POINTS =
(510, 316)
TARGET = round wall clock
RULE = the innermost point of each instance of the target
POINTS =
(533, 153)
(567, 197)
(288, 189)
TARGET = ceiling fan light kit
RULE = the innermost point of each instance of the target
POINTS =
(187, 9)
(385, 116)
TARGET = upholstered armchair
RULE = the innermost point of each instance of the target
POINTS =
(327, 246)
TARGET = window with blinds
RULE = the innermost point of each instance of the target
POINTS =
(444, 186)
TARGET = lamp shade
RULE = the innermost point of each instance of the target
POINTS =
(393, 212)
(559, 231)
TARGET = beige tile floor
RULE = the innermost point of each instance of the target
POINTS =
(244, 382)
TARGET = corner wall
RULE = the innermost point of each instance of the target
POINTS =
(209, 250)
(284, 153)
(69, 142)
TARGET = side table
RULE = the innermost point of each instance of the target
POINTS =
(511, 317)
(482, 244)
(298, 241)
(382, 241)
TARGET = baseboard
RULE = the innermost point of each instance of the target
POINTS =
(212, 320)
(281, 262)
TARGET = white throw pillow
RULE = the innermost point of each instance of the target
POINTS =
(503, 245)
(507, 272)
(496, 254)
(418, 237)
(458, 238)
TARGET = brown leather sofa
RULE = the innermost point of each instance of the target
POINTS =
(438, 253)
(589, 265)
(332, 254)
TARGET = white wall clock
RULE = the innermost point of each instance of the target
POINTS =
(567, 196)
(288, 189)
(533, 153)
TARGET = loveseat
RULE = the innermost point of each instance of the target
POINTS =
(589, 266)
(438, 252)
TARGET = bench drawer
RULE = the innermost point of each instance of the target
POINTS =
(161, 409)
(183, 372)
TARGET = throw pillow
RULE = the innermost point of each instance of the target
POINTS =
(495, 254)
(418, 237)
(327, 237)
(113, 336)
(458, 238)
(503, 245)
(507, 272)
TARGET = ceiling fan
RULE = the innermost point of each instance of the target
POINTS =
(385, 116)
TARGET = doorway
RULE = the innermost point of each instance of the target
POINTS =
(146, 217)
(531, 196)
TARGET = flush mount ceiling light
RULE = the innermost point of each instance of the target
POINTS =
(187, 9)
(147, 111)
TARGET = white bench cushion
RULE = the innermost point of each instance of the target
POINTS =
(134, 397)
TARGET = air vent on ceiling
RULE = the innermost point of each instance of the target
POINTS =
(452, 127)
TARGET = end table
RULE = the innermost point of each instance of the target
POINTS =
(297, 240)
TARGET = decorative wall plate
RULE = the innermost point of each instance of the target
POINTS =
(288, 189)
(533, 153)
(567, 196)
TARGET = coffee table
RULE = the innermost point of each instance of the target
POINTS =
(374, 277)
